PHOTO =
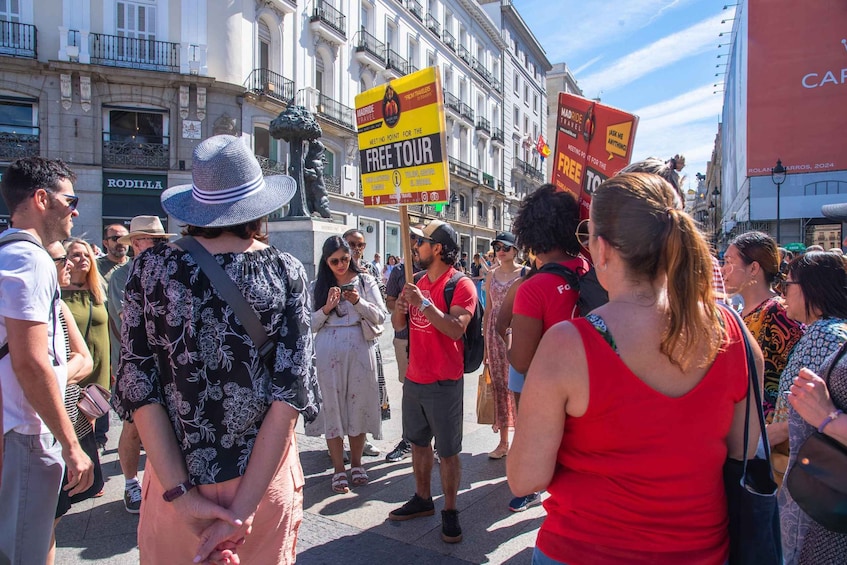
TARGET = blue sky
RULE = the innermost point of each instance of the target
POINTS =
(654, 58)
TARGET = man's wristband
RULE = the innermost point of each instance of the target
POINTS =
(832, 416)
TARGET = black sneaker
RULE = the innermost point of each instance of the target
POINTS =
(403, 450)
(415, 508)
(132, 498)
(451, 531)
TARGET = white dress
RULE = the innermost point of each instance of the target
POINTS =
(346, 366)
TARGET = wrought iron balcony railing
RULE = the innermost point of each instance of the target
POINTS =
(271, 167)
(136, 152)
(463, 169)
(497, 134)
(432, 24)
(449, 40)
(452, 102)
(464, 54)
(529, 169)
(496, 84)
(337, 112)
(17, 142)
(466, 111)
(368, 43)
(328, 14)
(396, 62)
(18, 40)
(483, 124)
(464, 216)
(269, 83)
(132, 53)
(415, 8)
(488, 180)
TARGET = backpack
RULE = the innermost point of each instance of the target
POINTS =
(591, 294)
(11, 238)
(473, 337)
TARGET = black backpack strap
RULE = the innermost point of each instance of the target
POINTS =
(562, 271)
(450, 288)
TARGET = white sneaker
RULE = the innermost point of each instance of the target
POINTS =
(371, 450)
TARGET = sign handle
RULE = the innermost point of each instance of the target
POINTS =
(406, 244)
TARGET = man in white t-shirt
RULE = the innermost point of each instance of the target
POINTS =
(38, 435)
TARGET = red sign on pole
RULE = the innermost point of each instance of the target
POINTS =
(593, 142)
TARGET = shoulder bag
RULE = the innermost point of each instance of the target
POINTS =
(754, 534)
(233, 296)
(818, 479)
(370, 330)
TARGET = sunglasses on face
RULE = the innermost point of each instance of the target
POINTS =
(335, 261)
(357, 245)
(421, 240)
(70, 200)
(61, 261)
(498, 247)
(113, 238)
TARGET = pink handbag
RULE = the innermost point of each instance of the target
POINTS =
(94, 401)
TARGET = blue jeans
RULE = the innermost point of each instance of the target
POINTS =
(539, 558)
(32, 475)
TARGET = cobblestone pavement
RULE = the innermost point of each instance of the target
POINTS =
(352, 528)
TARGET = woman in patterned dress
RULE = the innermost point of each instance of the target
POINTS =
(815, 292)
(497, 284)
(223, 480)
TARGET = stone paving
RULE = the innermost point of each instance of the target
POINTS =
(352, 529)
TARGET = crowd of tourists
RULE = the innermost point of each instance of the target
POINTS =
(619, 366)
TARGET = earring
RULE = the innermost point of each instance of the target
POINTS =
(603, 266)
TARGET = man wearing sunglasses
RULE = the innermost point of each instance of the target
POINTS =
(37, 432)
(433, 390)
(116, 252)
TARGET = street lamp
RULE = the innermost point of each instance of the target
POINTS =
(778, 177)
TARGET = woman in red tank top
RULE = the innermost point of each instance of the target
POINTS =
(650, 403)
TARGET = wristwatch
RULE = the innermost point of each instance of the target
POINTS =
(425, 304)
(178, 491)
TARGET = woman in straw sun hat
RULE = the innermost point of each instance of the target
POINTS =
(223, 477)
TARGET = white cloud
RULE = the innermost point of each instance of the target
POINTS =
(688, 107)
(695, 140)
(657, 55)
(585, 65)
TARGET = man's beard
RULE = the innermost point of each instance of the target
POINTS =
(424, 263)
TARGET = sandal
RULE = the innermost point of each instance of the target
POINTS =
(339, 483)
(359, 476)
(500, 452)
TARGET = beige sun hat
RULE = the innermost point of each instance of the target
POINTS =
(150, 226)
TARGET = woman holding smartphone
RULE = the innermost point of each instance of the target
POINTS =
(345, 298)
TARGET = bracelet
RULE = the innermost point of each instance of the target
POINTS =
(178, 490)
(832, 416)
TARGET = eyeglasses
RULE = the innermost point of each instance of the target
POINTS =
(357, 245)
(583, 236)
(782, 286)
(63, 260)
(498, 247)
(71, 200)
(113, 238)
(335, 261)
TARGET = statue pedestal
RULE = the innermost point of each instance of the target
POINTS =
(304, 238)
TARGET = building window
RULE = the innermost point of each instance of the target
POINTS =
(535, 103)
(136, 139)
(390, 35)
(263, 144)
(18, 131)
(319, 74)
(526, 94)
(264, 45)
(517, 84)
(329, 163)
(516, 118)
(430, 59)
(463, 204)
(413, 52)
(480, 210)
(367, 23)
(140, 127)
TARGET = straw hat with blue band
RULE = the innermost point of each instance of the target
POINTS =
(228, 187)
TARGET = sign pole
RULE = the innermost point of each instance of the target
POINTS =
(408, 270)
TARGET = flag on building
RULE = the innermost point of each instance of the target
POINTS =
(542, 147)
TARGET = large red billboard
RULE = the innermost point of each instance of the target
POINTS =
(593, 143)
(797, 85)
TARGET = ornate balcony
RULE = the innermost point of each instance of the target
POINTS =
(449, 40)
(529, 170)
(497, 135)
(396, 65)
(18, 40)
(329, 23)
(336, 112)
(415, 8)
(464, 54)
(369, 50)
(464, 170)
(17, 142)
(136, 152)
(452, 102)
(482, 124)
(271, 167)
(268, 83)
(466, 112)
(432, 24)
(132, 53)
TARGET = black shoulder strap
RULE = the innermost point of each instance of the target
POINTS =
(450, 288)
(230, 293)
(558, 269)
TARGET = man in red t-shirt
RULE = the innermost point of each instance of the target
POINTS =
(433, 391)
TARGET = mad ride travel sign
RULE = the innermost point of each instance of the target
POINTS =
(593, 143)
(402, 141)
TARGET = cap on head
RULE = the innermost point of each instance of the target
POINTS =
(439, 232)
(505, 237)
(146, 226)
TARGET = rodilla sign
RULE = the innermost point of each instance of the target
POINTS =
(797, 85)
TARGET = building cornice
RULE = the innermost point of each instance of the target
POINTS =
(473, 9)
(510, 12)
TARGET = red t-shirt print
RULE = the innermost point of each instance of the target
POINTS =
(433, 356)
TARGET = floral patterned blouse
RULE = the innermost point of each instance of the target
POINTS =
(776, 334)
(183, 347)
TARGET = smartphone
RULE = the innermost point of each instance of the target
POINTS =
(348, 286)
